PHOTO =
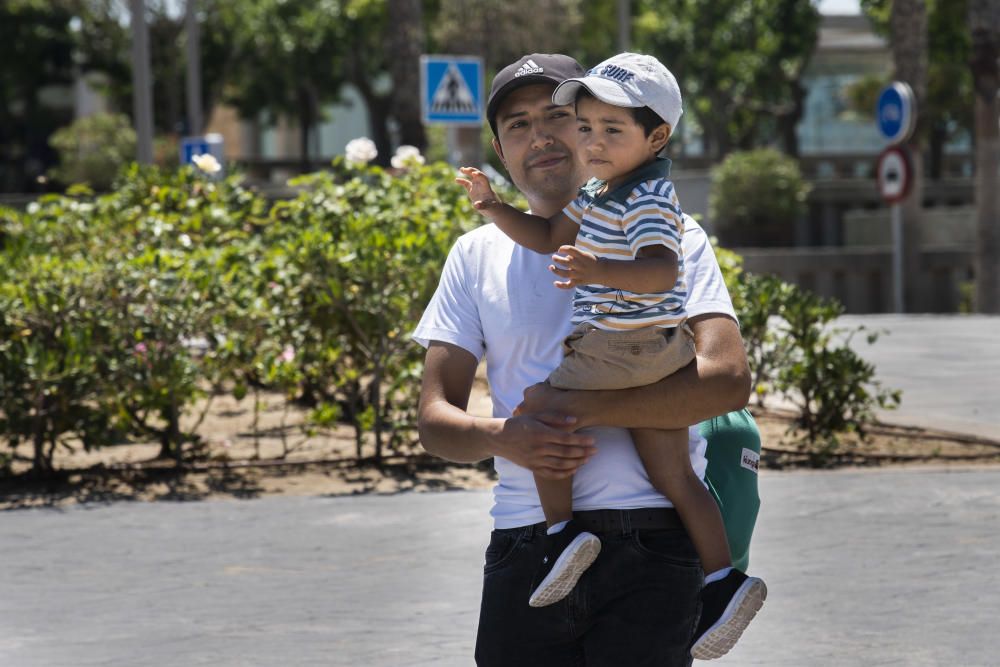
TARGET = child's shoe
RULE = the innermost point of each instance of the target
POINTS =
(727, 607)
(568, 554)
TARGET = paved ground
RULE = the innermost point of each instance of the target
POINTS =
(875, 568)
(947, 366)
(889, 567)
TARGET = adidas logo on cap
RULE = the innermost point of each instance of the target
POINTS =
(529, 67)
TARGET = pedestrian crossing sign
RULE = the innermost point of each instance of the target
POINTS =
(451, 89)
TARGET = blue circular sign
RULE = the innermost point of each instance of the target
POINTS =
(895, 113)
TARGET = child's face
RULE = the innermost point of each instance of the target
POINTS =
(611, 143)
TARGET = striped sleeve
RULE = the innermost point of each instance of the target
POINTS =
(574, 210)
(653, 217)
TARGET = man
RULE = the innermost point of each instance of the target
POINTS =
(638, 603)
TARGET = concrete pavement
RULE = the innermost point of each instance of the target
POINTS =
(887, 567)
(948, 367)
(880, 567)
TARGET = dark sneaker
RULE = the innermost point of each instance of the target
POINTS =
(568, 554)
(727, 607)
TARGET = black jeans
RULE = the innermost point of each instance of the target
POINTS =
(636, 605)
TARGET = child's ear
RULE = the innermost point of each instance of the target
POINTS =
(659, 137)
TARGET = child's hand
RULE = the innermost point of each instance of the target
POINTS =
(478, 186)
(578, 267)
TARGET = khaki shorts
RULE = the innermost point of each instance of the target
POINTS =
(599, 359)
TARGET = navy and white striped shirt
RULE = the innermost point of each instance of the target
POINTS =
(643, 211)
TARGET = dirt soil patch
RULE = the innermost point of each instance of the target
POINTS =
(235, 463)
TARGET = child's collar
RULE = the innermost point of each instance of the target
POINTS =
(656, 168)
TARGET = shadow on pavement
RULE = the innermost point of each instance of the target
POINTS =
(100, 484)
(162, 481)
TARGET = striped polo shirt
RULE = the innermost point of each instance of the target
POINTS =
(642, 211)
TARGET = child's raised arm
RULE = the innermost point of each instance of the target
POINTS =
(531, 231)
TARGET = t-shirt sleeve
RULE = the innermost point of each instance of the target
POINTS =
(707, 292)
(653, 218)
(574, 209)
(452, 316)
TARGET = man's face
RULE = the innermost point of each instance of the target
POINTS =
(537, 143)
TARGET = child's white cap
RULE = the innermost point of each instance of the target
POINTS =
(628, 80)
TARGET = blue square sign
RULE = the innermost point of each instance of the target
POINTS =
(209, 143)
(451, 90)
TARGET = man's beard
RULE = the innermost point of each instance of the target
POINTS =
(557, 184)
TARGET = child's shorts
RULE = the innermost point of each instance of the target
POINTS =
(600, 359)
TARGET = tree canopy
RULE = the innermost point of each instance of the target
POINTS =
(36, 49)
(286, 57)
(738, 62)
(948, 101)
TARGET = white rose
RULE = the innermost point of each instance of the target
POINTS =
(207, 163)
(361, 150)
(407, 156)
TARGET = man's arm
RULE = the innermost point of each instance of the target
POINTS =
(716, 383)
(540, 442)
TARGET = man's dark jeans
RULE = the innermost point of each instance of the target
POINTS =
(636, 605)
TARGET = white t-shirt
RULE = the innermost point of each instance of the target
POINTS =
(497, 298)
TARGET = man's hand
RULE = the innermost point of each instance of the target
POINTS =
(477, 185)
(578, 267)
(543, 444)
(543, 398)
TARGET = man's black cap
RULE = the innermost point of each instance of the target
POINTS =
(536, 68)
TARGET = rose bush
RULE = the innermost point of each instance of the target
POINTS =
(177, 286)
(796, 351)
(120, 313)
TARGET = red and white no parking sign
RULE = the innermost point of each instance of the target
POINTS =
(894, 174)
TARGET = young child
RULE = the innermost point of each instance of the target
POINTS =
(619, 245)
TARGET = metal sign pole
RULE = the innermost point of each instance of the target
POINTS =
(897, 256)
(193, 68)
(142, 93)
(896, 117)
(454, 147)
(624, 25)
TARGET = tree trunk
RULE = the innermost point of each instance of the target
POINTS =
(716, 130)
(375, 399)
(353, 403)
(166, 451)
(908, 27)
(378, 118)
(174, 430)
(935, 162)
(406, 44)
(984, 24)
(788, 123)
(306, 120)
(40, 465)
(170, 436)
(378, 108)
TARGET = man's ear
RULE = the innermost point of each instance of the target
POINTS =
(498, 149)
(659, 137)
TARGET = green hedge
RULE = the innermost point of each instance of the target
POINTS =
(756, 197)
(796, 352)
(119, 313)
